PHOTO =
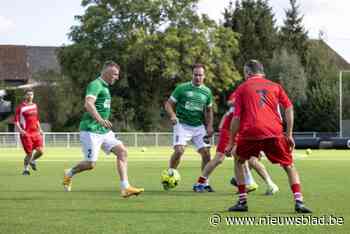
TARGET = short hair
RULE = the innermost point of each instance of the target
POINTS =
(253, 66)
(28, 90)
(110, 63)
(198, 65)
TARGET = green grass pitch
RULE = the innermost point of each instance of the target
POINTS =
(37, 203)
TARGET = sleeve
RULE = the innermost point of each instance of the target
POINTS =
(175, 95)
(210, 99)
(283, 99)
(17, 113)
(92, 90)
(231, 99)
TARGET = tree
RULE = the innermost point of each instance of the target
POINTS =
(287, 70)
(156, 42)
(254, 21)
(293, 35)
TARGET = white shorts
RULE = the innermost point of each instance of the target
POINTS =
(183, 133)
(92, 142)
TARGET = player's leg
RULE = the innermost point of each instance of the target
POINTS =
(38, 146)
(254, 163)
(241, 204)
(28, 149)
(224, 137)
(250, 183)
(91, 144)
(199, 139)
(245, 150)
(112, 144)
(180, 137)
(175, 158)
(277, 151)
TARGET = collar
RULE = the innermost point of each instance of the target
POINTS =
(196, 86)
(103, 81)
(256, 76)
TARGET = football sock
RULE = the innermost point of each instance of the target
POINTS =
(202, 180)
(26, 167)
(269, 182)
(242, 193)
(124, 184)
(248, 177)
(70, 172)
(297, 192)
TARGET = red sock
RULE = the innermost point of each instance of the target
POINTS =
(202, 180)
(242, 193)
(297, 192)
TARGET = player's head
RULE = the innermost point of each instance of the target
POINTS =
(253, 67)
(28, 95)
(110, 72)
(198, 74)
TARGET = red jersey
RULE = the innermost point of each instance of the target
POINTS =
(257, 106)
(229, 114)
(28, 118)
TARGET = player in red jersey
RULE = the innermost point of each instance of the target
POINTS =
(258, 120)
(223, 141)
(28, 125)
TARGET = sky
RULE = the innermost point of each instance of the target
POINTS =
(47, 22)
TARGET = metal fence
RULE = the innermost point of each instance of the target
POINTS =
(131, 139)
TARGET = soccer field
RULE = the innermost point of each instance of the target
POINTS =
(37, 203)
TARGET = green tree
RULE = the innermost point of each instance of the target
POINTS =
(293, 35)
(156, 42)
(254, 21)
(287, 70)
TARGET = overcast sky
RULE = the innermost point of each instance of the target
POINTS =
(47, 22)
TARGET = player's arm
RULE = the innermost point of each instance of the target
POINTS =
(39, 128)
(209, 119)
(91, 108)
(18, 126)
(234, 127)
(170, 109)
(289, 115)
(290, 122)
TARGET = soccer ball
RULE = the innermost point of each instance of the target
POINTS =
(308, 152)
(170, 178)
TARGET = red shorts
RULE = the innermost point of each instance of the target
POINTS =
(275, 149)
(224, 140)
(31, 142)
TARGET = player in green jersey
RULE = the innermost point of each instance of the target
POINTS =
(95, 131)
(190, 110)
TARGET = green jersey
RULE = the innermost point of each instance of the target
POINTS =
(191, 102)
(99, 90)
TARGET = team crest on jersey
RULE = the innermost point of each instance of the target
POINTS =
(189, 94)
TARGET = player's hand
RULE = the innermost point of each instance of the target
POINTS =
(41, 132)
(174, 120)
(210, 131)
(106, 123)
(228, 150)
(291, 142)
(22, 132)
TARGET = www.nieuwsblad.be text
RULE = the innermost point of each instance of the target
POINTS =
(304, 220)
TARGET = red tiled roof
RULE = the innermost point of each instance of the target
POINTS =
(14, 63)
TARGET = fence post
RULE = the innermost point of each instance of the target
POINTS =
(135, 139)
(68, 140)
(157, 136)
